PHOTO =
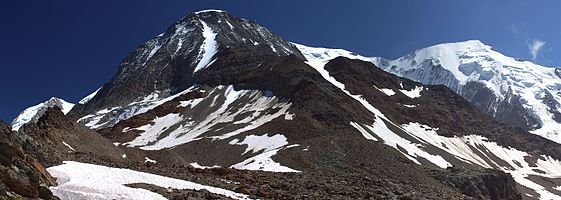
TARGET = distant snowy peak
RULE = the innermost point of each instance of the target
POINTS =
(32, 114)
(465, 62)
(515, 91)
(326, 54)
(519, 92)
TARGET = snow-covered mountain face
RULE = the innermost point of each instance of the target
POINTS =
(173, 61)
(33, 113)
(518, 92)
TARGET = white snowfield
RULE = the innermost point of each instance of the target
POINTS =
(471, 149)
(81, 181)
(35, 112)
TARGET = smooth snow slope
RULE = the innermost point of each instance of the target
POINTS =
(77, 181)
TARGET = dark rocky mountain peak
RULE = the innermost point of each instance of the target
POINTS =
(169, 62)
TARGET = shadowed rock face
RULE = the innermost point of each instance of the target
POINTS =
(509, 111)
(21, 175)
(551, 103)
(511, 90)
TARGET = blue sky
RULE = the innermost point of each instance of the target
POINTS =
(68, 48)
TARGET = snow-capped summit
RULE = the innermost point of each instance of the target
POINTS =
(32, 114)
(462, 62)
(518, 92)
(208, 10)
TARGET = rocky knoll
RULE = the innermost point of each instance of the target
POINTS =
(21, 175)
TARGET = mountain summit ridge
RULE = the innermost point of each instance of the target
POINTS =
(173, 61)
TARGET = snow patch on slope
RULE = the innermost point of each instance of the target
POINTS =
(87, 181)
(148, 160)
(67, 145)
(153, 131)
(196, 165)
(363, 131)
(413, 93)
(208, 48)
(387, 91)
(111, 116)
(411, 149)
(264, 162)
(268, 146)
(256, 108)
(480, 151)
(262, 143)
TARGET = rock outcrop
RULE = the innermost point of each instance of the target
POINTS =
(481, 183)
(21, 175)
